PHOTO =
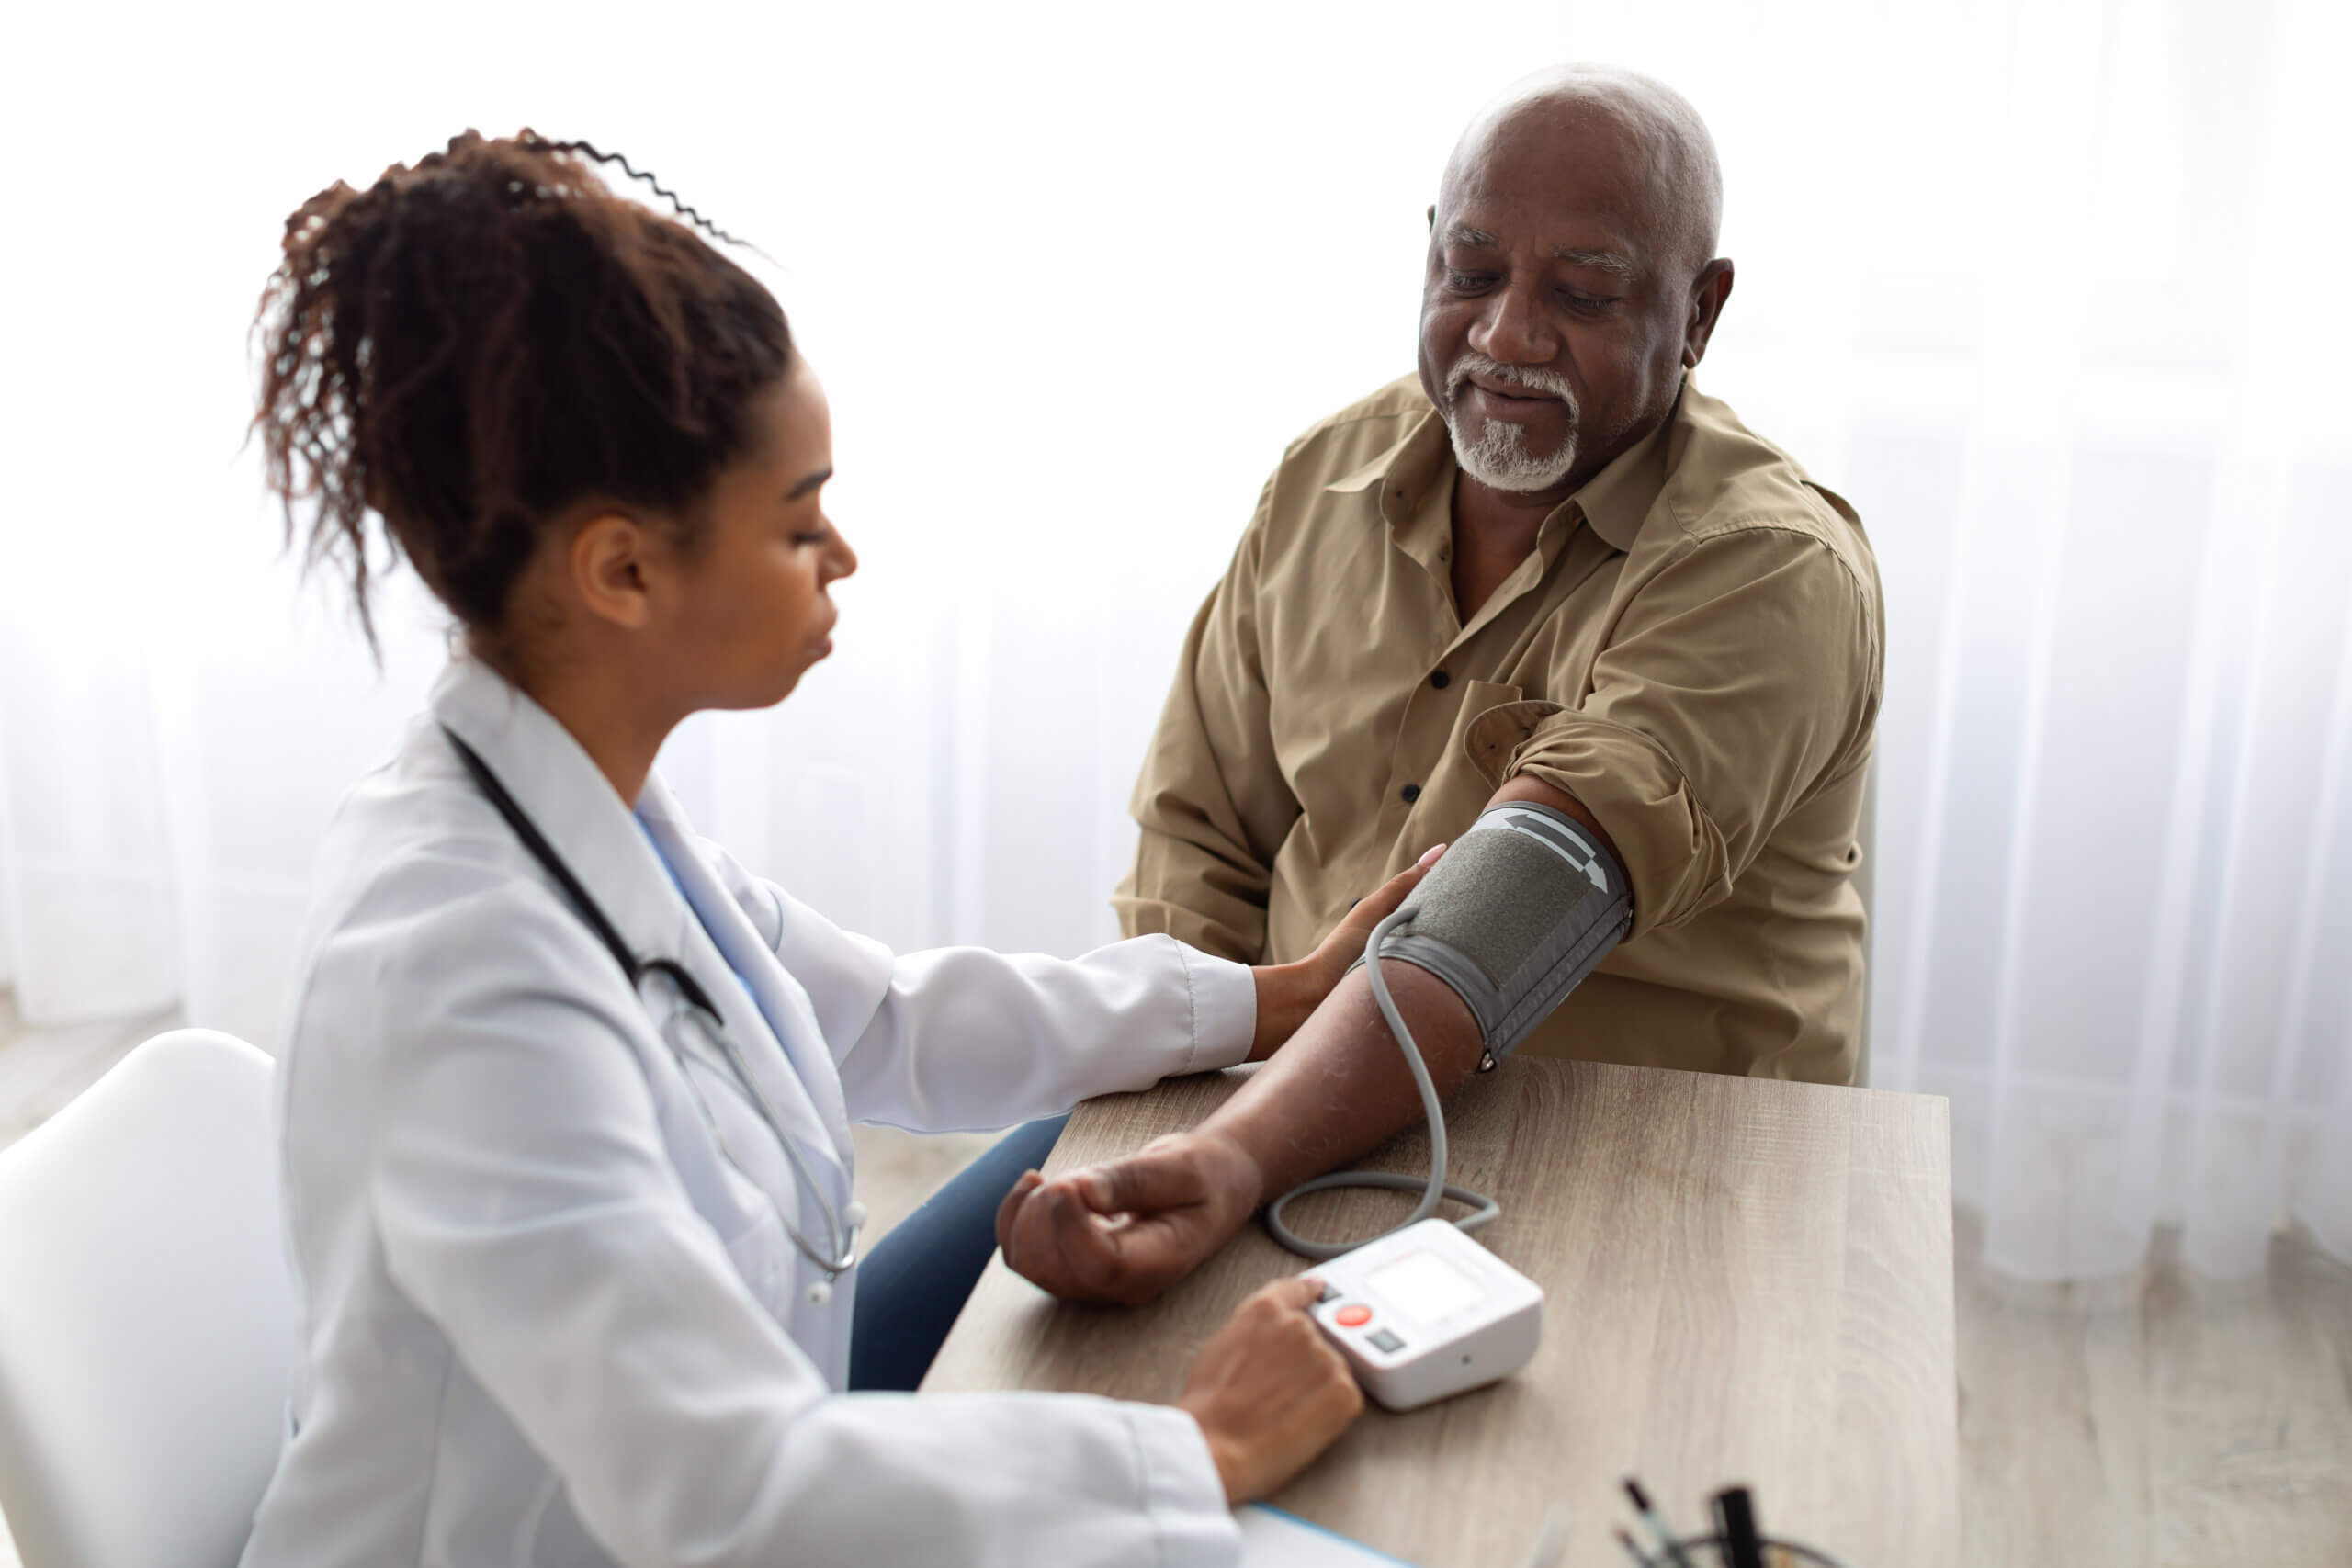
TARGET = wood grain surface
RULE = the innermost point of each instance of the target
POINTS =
(1746, 1281)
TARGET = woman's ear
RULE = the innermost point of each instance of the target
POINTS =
(609, 561)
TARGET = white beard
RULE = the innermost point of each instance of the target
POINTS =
(1500, 460)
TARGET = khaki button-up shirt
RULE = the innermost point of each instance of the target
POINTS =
(1693, 651)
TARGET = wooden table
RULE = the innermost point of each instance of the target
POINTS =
(1746, 1281)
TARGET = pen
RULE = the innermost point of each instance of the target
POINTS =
(1735, 1522)
(1667, 1543)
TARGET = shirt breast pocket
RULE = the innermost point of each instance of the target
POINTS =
(1459, 785)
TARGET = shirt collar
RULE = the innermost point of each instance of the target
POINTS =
(1614, 500)
(1403, 474)
(1617, 500)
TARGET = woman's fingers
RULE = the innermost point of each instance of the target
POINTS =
(1295, 1294)
(1387, 898)
(1269, 1391)
(1391, 894)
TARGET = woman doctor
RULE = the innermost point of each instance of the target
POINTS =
(566, 1092)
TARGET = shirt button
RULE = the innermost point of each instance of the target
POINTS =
(1441, 680)
(1413, 793)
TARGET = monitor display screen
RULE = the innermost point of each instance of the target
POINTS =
(1425, 1286)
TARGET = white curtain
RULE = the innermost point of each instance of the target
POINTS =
(2045, 288)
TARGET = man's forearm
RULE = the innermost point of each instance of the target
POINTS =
(1341, 1084)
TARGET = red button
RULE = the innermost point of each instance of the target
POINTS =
(1352, 1317)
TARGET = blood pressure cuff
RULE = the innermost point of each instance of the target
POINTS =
(1515, 913)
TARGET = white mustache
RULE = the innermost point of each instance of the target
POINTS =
(1550, 383)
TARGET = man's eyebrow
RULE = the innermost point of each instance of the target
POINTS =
(1463, 235)
(811, 482)
(1600, 261)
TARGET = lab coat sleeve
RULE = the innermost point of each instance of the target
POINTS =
(966, 1039)
(524, 1203)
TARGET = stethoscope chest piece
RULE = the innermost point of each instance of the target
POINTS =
(696, 1016)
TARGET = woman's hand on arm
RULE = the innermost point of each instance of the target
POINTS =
(1288, 994)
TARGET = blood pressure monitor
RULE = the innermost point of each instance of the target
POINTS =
(1425, 1312)
(1511, 919)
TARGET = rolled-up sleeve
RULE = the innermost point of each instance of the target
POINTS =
(1211, 801)
(1740, 676)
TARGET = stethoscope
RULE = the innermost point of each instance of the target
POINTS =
(841, 1226)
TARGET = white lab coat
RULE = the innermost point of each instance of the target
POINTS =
(545, 1320)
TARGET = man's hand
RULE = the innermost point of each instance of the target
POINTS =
(1125, 1232)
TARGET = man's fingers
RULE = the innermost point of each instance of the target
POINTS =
(1065, 1246)
(1011, 1207)
(1048, 1239)
(1139, 1185)
(1089, 1255)
(1118, 1231)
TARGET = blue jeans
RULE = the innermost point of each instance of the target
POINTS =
(917, 1278)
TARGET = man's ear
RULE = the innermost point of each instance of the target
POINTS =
(607, 561)
(1707, 296)
(1433, 216)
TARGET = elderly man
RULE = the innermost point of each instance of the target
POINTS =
(1544, 571)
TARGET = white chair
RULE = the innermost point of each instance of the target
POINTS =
(147, 1331)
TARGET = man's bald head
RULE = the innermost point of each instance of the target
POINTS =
(1571, 277)
(1637, 120)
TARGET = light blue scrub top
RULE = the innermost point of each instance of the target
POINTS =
(671, 872)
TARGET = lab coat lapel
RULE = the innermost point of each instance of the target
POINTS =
(575, 807)
(766, 1064)
(783, 1002)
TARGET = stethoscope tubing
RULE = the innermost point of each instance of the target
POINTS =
(841, 1253)
(841, 1227)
